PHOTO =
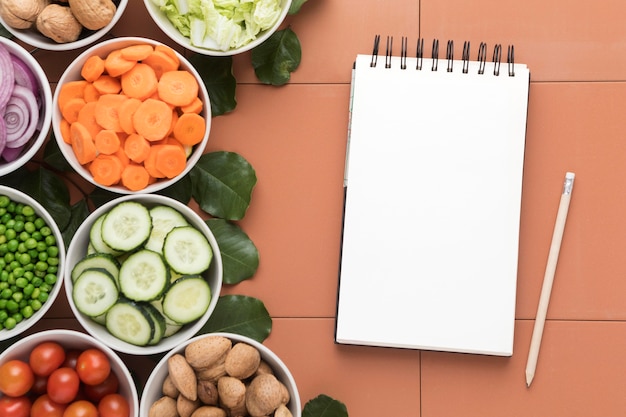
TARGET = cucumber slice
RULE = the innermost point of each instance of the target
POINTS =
(187, 251)
(126, 226)
(158, 321)
(95, 238)
(104, 261)
(164, 219)
(130, 322)
(94, 292)
(143, 276)
(187, 299)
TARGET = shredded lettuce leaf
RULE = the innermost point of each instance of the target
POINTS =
(220, 24)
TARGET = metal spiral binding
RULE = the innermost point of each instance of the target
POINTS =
(466, 56)
(374, 60)
(419, 53)
(450, 55)
(388, 51)
(481, 59)
(435, 55)
(510, 60)
(403, 51)
(497, 56)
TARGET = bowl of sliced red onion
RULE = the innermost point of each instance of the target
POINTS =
(25, 106)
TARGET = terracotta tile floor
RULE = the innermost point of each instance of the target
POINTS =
(295, 138)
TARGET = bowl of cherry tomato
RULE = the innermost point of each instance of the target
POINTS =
(65, 373)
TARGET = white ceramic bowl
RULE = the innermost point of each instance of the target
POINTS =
(45, 113)
(170, 30)
(87, 37)
(152, 390)
(71, 339)
(25, 324)
(73, 73)
(78, 248)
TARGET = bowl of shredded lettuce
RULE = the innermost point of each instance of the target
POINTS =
(218, 27)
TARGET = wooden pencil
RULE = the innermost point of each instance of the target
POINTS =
(548, 278)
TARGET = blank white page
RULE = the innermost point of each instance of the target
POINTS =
(433, 193)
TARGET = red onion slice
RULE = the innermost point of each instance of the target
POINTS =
(3, 135)
(21, 116)
(24, 76)
(11, 154)
(6, 76)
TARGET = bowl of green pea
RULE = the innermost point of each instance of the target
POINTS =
(32, 256)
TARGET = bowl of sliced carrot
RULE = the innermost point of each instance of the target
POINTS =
(131, 115)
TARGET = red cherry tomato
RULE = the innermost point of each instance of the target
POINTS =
(114, 405)
(71, 357)
(63, 384)
(43, 406)
(46, 357)
(93, 366)
(96, 392)
(81, 408)
(15, 406)
(16, 378)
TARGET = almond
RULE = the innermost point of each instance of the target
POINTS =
(207, 351)
(183, 376)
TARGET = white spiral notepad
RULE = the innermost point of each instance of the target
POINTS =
(433, 181)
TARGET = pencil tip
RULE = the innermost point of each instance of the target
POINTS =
(529, 379)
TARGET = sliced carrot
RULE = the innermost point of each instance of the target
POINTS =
(174, 121)
(190, 129)
(167, 50)
(65, 131)
(115, 65)
(125, 113)
(92, 68)
(152, 119)
(70, 90)
(107, 84)
(91, 93)
(106, 169)
(136, 147)
(82, 143)
(150, 163)
(161, 62)
(87, 118)
(139, 82)
(107, 142)
(107, 111)
(71, 108)
(195, 106)
(137, 52)
(122, 155)
(178, 88)
(170, 159)
(135, 177)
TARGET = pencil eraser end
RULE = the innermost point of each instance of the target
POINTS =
(570, 175)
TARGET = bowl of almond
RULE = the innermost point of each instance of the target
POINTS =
(219, 375)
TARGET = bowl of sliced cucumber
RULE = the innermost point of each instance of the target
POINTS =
(143, 273)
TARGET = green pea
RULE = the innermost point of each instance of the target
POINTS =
(28, 211)
(9, 323)
(27, 311)
(29, 227)
(35, 304)
(4, 201)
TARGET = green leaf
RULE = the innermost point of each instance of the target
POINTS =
(51, 192)
(180, 190)
(324, 406)
(241, 315)
(53, 156)
(295, 6)
(80, 211)
(4, 32)
(101, 196)
(223, 184)
(240, 258)
(276, 58)
(217, 75)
